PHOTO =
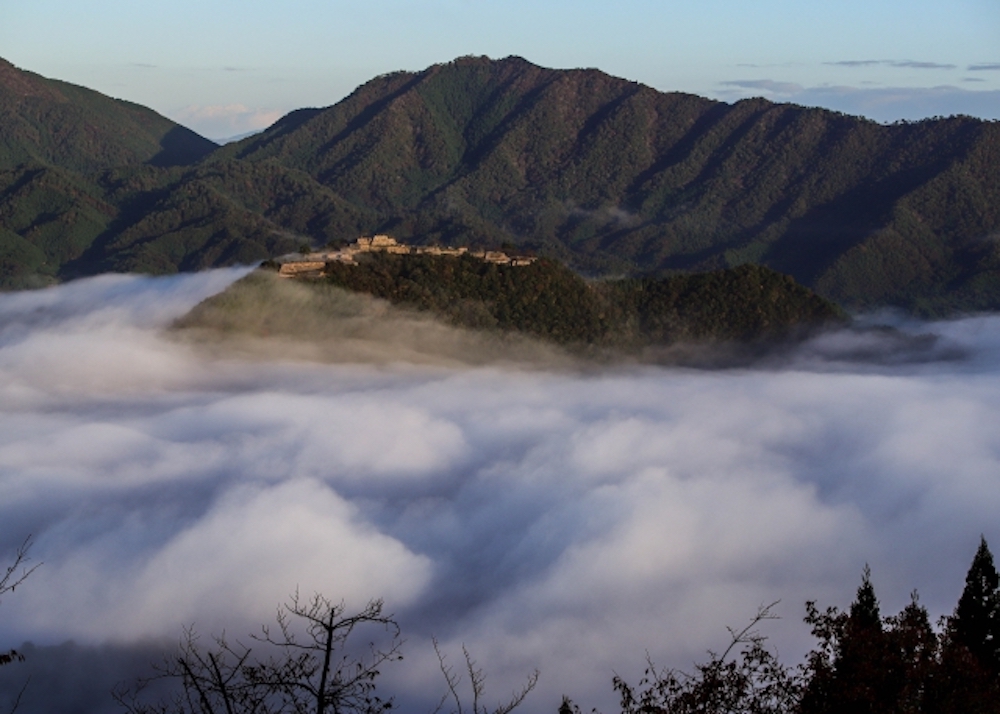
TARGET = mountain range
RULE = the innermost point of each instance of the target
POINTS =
(607, 175)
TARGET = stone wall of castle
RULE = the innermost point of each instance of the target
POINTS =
(301, 264)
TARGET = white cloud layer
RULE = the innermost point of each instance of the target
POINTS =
(560, 519)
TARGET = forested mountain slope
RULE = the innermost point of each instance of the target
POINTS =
(80, 173)
(615, 176)
(46, 121)
(606, 174)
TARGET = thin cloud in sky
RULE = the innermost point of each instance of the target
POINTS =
(884, 104)
(991, 67)
(888, 104)
(856, 63)
(910, 64)
(773, 64)
(767, 85)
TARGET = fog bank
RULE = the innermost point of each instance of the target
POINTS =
(542, 514)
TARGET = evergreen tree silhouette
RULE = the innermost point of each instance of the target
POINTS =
(976, 622)
(848, 672)
(865, 614)
(861, 666)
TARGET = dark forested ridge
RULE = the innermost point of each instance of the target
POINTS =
(749, 304)
(546, 299)
(55, 123)
(607, 175)
(89, 184)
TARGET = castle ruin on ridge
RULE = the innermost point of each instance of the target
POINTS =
(313, 264)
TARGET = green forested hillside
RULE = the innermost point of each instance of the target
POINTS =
(50, 122)
(547, 300)
(220, 213)
(58, 143)
(614, 176)
(610, 176)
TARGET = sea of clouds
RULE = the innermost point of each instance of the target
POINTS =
(555, 517)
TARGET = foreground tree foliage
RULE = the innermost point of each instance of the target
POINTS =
(15, 574)
(477, 686)
(751, 681)
(305, 664)
(863, 663)
(976, 624)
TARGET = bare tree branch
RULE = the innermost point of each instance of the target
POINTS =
(306, 665)
(477, 681)
(750, 682)
(12, 578)
(15, 574)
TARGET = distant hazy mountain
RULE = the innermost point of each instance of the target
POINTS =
(607, 174)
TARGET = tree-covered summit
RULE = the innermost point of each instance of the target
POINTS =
(548, 300)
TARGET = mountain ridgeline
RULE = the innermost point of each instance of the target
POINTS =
(607, 175)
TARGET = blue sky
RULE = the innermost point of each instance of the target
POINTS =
(225, 67)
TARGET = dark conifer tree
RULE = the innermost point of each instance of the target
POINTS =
(976, 622)
(861, 664)
(864, 610)
(912, 658)
(847, 673)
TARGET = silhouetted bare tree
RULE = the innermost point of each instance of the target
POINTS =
(477, 680)
(16, 573)
(307, 665)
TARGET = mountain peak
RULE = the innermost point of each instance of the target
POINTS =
(26, 84)
(485, 60)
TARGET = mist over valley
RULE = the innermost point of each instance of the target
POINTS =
(640, 364)
(541, 513)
